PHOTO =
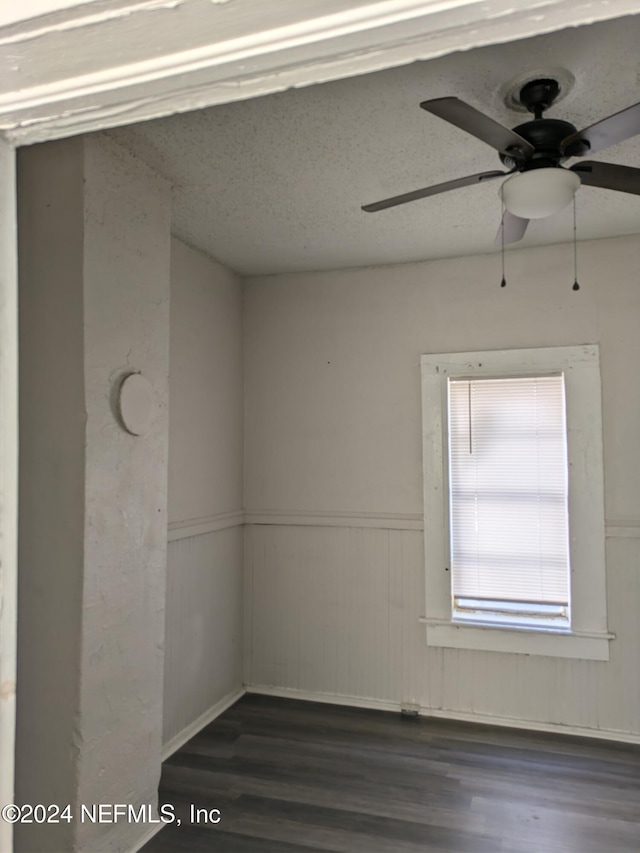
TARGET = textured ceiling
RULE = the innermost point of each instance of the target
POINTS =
(275, 184)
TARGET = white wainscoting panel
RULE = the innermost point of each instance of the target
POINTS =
(203, 641)
(335, 611)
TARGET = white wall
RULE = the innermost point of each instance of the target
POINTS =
(203, 652)
(205, 419)
(334, 559)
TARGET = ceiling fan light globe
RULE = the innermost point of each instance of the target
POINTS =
(539, 192)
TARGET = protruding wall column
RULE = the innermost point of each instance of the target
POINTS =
(94, 235)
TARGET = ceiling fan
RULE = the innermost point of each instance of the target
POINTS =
(537, 183)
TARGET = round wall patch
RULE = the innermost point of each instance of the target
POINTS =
(137, 404)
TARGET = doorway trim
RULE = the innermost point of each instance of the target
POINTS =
(103, 64)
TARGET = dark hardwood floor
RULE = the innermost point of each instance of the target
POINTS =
(291, 776)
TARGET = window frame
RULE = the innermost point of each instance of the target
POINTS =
(588, 637)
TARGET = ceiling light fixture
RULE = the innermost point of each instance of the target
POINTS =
(537, 193)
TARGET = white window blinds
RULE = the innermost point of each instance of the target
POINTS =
(508, 494)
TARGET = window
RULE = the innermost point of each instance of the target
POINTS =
(514, 515)
(508, 493)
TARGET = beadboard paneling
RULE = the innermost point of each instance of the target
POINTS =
(335, 611)
(203, 640)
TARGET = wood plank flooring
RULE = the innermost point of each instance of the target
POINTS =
(290, 776)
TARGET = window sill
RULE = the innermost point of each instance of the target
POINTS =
(514, 640)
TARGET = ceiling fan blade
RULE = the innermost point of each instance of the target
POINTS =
(479, 125)
(513, 227)
(433, 190)
(608, 131)
(610, 176)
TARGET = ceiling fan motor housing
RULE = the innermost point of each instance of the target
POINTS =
(546, 135)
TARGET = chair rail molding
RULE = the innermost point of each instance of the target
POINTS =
(626, 528)
(208, 524)
(335, 518)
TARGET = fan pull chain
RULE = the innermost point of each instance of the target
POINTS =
(470, 421)
(503, 283)
(576, 286)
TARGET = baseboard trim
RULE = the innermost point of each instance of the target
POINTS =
(325, 698)
(203, 720)
(533, 726)
(149, 834)
(459, 716)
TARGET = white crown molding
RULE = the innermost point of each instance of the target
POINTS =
(11, 13)
(87, 67)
